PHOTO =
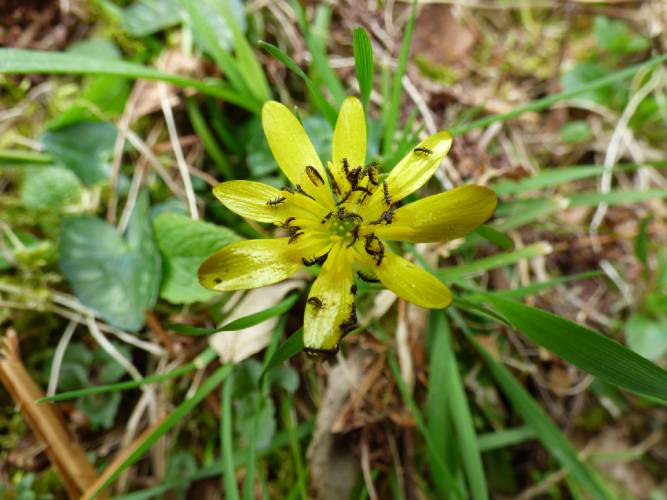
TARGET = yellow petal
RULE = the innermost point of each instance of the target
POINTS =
(442, 217)
(252, 200)
(264, 203)
(255, 263)
(330, 303)
(412, 283)
(414, 170)
(293, 151)
(349, 140)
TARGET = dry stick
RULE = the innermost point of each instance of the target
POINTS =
(178, 152)
(366, 467)
(63, 449)
(132, 196)
(614, 149)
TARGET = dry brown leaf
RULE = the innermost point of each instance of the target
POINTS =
(62, 447)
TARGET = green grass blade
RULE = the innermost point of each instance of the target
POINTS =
(248, 63)
(207, 139)
(549, 101)
(321, 102)
(203, 29)
(533, 288)
(439, 464)
(394, 104)
(201, 361)
(589, 350)
(500, 439)
(438, 418)
(227, 440)
(615, 197)
(175, 417)
(546, 431)
(291, 347)
(241, 323)
(462, 418)
(316, 39)
(500, 260)
(15, 157)
(363, 64)
(554, 176)
(47, 62)
(287, 409)
(499, 239)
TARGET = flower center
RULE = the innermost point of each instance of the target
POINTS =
(343, 227)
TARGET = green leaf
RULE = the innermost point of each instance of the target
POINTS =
(117, 277)
(184, 244)
(363, 64)
(20, 247)
(641, 242)
(49, 188)
(85, 148)
(145, 17)
(50, 62)
(575, 132)
(546, 431)
(647, 336)
(616, 38)
(598, 355)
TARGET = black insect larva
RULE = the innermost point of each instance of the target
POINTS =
(355, 236)
(315, 302)
(315, 260)
(276, 201)
(314, 176)
(374, 247)
(423, 150)
(386, 217)
(385, 190)
(314, 352)
(372, 171)
(365, 277)
(300, 190)
(332, 181)
(353, 289)
(350, 323)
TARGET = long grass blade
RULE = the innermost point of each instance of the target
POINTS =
(363, 64)
(201, 361)
(462, 418)
(240, 323)
(48, 62)
(397, 84)
(327, 110)
(546, 431)
(589, 350)
(439, 463)
(227, 440)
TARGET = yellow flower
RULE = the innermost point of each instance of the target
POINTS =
(338, 216)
